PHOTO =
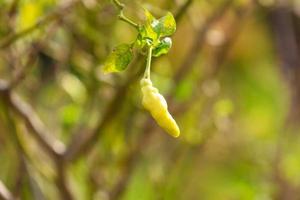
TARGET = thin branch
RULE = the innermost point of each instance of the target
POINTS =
(61, 176)
(33, 122)
(13, 8)
(121, 15)
(183, 9)
(219, 56)
(284, 31)
(53, 16)
(190, 18)
(61, 181)
(10, 121)
(119, 5)
(127, 20)
(20, 177)
(198, 44)
(20, 73)
(5, 194)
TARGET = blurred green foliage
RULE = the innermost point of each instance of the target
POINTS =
(232, 105)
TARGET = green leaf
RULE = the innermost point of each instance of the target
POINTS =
(147, 35)
(153, 29)
(163, 47)
(119, 59)
(149, 16)
(164, 26)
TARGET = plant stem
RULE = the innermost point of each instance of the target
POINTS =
(127, 20)
(148, 66)
(122, 17)
(119, 4)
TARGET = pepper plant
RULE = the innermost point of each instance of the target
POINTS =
(153, 36)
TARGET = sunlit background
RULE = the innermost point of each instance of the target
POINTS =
(231, 79)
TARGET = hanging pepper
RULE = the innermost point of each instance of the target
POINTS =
(156, 104)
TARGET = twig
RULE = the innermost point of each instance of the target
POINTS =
(13, 8)
(19, 181)
(198, 44)
(61, 181)
(5, 194)
(122, 17)
(219, 56)
(179, 14)
(120, 5)
(10, 121)
(184, 9)
(280, 18)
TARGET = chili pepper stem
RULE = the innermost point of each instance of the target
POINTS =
(148, 66)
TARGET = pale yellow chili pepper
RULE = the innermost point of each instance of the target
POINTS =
(156, 104)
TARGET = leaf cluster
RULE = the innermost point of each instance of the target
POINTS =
(152, 33)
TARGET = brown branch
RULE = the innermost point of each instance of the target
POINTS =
(288, 49)
(19, 181)
(61, 180)
(183, 9)
(54, 147)
(20, 73)
(198, 44)
(5, 194)
(220, 56)
(280, 18)
(10, 121)
(53, 16)
(188, 14)
(33, 122)
(61, 176)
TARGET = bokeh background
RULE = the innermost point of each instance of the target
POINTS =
(231, 79)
